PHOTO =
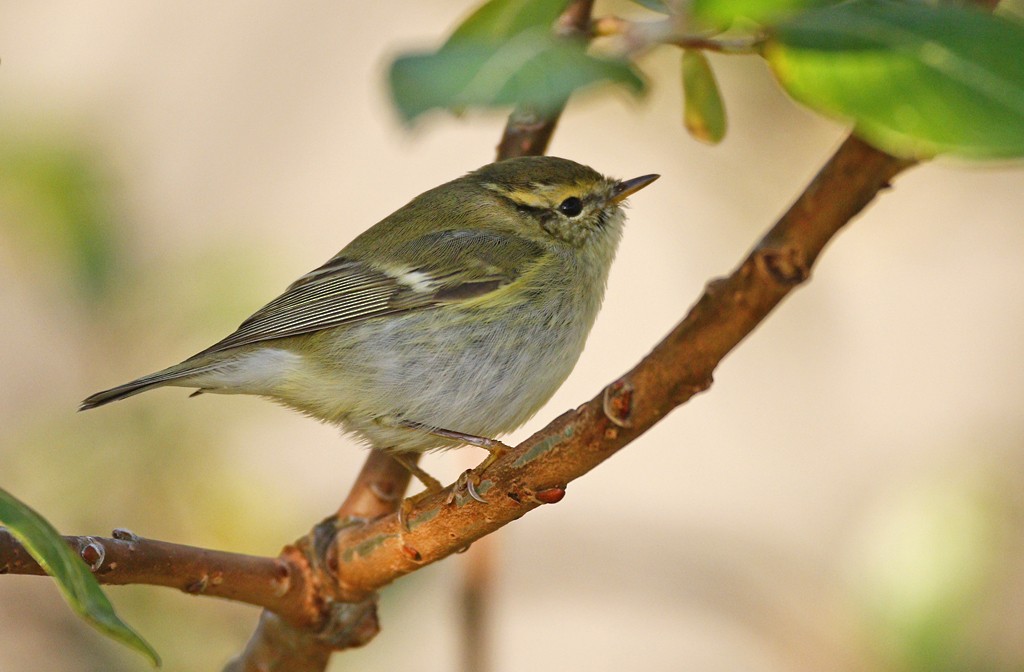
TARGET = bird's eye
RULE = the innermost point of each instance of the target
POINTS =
(571, 207)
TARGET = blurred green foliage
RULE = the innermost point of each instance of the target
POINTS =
(144, 466)
(932, 570)
(496, 21)
(916, 79)
(703, 110)
(725, 12)
(504, 55)
(533, 69)
(54, 195)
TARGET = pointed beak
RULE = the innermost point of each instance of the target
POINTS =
(626, 187)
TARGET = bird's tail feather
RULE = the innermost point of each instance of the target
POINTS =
(171, 376)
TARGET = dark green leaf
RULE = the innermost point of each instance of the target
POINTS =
(72, 576)
(724, 12)
(498, 20)
(704, 114)
(915, 79)
(533, 68)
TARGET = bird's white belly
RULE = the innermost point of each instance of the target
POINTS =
(500, 378)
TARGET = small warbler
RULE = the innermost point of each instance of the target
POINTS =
(449, 322)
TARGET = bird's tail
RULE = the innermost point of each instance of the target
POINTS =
(172, 376)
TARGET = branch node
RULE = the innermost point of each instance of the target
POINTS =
(94, 554)
(350, 624)
(787, 265)
(323, 552)
(412, 553)
(618, 403)
(122, 534)
(198, 586)
(283, 578)
(685, 391)
(716, 286)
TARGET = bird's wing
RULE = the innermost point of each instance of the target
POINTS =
(463, 264)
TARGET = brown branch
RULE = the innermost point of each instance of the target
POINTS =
(280, 584)
(287, 585)
(527, 133)
(286, 645)
(537, 471)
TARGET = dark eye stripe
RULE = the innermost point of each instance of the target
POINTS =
(532, 209)
(523, 207)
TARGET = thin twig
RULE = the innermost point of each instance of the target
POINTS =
(280, 584)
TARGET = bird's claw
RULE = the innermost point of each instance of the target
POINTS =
(468, 482)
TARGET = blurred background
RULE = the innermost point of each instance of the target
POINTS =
(849, 495)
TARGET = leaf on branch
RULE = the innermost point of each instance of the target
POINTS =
(498, 20)
(724, 12)
(73, 578)
(505, 54)
(703, 111)
(916, 79)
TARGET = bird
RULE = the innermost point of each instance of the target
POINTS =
(450, 322)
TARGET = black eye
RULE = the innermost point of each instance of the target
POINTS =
(571, 207)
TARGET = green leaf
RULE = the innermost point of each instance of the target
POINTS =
(724, 12)
(703, 113)
(533, 68)
(498, 20)
(916, 79)
(71, 574)
(504, 54)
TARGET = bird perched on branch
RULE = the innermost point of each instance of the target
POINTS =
(451, 321)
